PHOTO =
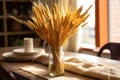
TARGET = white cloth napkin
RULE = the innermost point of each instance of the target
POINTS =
(91, 69)
(86, 68)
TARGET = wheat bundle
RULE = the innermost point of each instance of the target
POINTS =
(54, 26)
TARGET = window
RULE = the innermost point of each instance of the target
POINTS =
(98, 31)
(95, 34)
(107, 21)
(88, 32)
(114, 21)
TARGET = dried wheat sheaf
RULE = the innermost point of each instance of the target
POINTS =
(52, 24)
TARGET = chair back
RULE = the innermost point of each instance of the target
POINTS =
(114, 49)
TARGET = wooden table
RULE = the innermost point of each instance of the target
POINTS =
(14, 67)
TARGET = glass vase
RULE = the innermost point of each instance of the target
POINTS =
(56, 61)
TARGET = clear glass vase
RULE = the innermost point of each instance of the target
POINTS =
(56, 61)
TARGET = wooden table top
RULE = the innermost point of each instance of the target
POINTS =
(14, 66)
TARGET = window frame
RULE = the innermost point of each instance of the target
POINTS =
(101, 28)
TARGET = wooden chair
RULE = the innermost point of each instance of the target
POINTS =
(114, 49)
(6, 75)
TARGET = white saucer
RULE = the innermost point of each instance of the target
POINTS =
(22, 52)
(14, 57)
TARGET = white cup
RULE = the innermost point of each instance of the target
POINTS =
(28, 44)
